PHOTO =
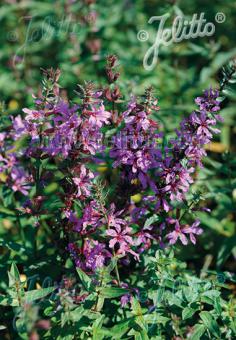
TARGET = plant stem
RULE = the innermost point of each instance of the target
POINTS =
(117, 271)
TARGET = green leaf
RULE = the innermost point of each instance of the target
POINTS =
(97, 325)
(154, 318)
(212, 293)
(85, 280)
(138, 335)
(100, 303)
(36, 294)
(173, 299)
(187, 313)
(225, 250)
(151, 220)
(136, 308)
(139, 320)
(190, 294)
(112, 292)
(198, 331)
(52, 187)
(210, 323)
(142, 335)
(120, 329)
(112, 264)
(75, 315)
(217, 306)
(14, 275)
(7, 212)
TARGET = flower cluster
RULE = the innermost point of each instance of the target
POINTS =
(178, 162)
(136, 144)
(102, 223)
(136, 152)
(13, 173)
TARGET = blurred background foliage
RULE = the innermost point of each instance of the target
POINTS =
(76, 36)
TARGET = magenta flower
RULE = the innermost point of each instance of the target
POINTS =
(92, 217)
(2, 138)
(208, 101)
(144, 238)
(204, 124)
(181, 231)
(177, 233)
(161, 201)
(20, 181)
(112, 217)
(95, 254)
(120, 236)
(83, 182)
(193, 229)
(19, 127)
(74, 220)
(33, 115)
(91, 256)
(135, 145)
(139, 120)
(98, 116)
(90, 139)
(125, 248)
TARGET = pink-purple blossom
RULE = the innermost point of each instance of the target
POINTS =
(83, 181)
(72, 138)
(181, 232)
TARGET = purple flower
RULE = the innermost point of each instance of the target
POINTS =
(62, 112)
(135, 145)
(92, 217)
(193, 229)
(208, 101)
(120, 233)
(2, 138)
(20, 181)
(74, 220)
(83, 182)
(181, 231)
(71, 135)
(137, 213)
(204, 125)
(126, 298)
(161, 200)
(19, 127)
(125, 249)
(63, 129)
(187, 151)
(137, 122)
(90, 139)
(91, 256)
(177, 233)
(144, 238)
(97, 115)
(33, 115)
(120, 236)
(95, 255)
(112, 217)
(178, 181)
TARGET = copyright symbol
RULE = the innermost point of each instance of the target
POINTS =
(12, 36)
(220, 17)
(142, 35)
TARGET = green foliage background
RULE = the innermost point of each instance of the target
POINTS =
(63, 34)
